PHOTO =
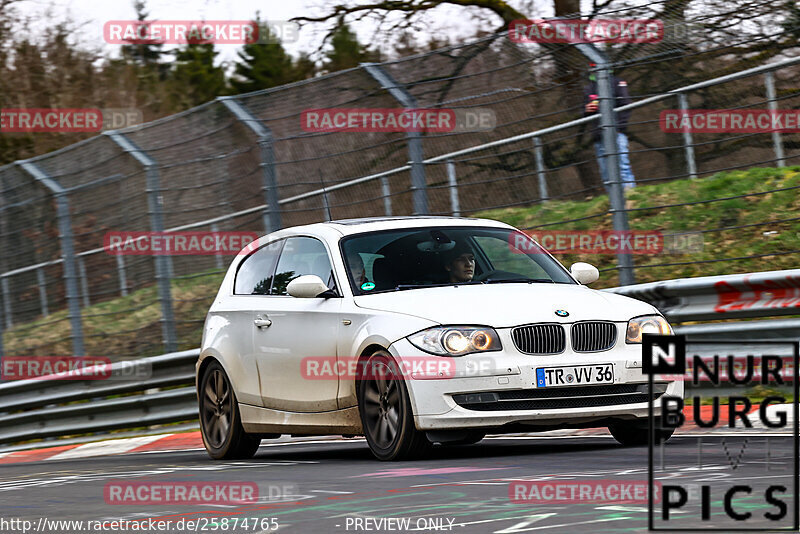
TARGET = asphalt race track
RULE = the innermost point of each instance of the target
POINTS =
(331, 486)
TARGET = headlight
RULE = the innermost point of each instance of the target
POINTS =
(647, 324)
(456, 340)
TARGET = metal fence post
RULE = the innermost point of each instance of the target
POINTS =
(540, 169)
(688, 143)
(270, 184)
(67, 252)
(42, 292)
(419, 187)
(84, 282)
(452, 180)
(155, 209)
(6, 302)
(3, 264)
(608, 124)
(777, 142)
(123, 280)
(217, 257)
(2, 350)
(387, 196)
(272, 213)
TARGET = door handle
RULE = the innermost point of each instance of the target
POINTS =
(261, 322)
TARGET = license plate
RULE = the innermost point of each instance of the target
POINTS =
(575, 375)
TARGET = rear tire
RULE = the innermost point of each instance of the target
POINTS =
(385, 410)
(636, 435)
(220, 421)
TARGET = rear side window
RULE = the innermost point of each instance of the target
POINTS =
(255, 273)
(300, 256)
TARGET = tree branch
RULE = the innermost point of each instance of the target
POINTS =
(501, 8)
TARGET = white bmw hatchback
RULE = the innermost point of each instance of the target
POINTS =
(414, 331)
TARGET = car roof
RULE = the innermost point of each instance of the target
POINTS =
(373, 224)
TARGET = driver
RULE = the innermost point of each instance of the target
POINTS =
(460, 264)
(357, 269)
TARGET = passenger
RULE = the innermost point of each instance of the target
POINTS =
(460, 264)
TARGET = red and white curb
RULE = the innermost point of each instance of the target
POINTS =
(163, 442)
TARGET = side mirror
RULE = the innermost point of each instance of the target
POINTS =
(308, 286)
(584, 273)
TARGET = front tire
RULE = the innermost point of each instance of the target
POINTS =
(220, 421)
(386, 414)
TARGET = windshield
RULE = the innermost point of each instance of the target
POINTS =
(396, 260)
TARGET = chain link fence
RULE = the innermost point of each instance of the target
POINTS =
(244, 163)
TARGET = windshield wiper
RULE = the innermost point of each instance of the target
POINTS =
(519, 281)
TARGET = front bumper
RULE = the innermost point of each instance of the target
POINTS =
(437, 403)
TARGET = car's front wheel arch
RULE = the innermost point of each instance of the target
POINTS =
(362, 360)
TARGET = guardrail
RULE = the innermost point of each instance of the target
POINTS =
(48, 408)
(51, 407)
(736, 296)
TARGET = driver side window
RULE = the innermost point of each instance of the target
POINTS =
(300, 256)
(254, 276)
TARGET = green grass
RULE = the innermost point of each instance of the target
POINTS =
(124, 326)
(131, 325)
(703, 217)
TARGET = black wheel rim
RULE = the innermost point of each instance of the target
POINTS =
(217, 409)
(382, 407)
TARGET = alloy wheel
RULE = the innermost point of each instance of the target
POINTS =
(217, 408)
(382, 405)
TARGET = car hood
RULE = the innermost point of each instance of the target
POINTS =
(507, 305)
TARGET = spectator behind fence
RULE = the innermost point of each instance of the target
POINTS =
(591, 105)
